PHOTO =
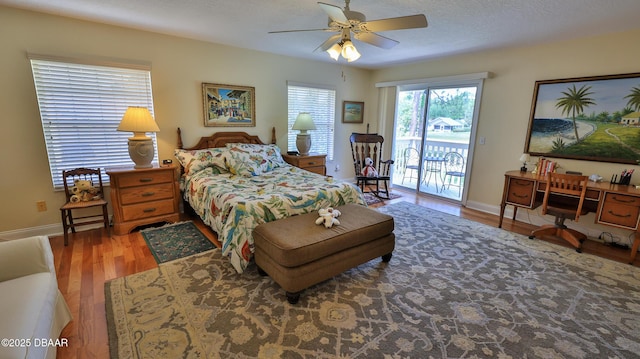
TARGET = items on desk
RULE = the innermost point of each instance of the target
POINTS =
(545, 166)
(524, 159)
(595, 178)
(625, 177)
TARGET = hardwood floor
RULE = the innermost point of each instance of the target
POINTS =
(93, 257)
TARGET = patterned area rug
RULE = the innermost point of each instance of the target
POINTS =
(373, 199)
(175, 241)
(453, 289)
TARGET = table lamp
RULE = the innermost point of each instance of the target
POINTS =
(139, 121)
(524, 159)
(303, 123)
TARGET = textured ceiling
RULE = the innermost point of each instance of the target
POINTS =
(455, 26)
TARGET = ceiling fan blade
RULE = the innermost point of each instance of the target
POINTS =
(335, 13)
(376, 40)
(281, 31)
(395, 23)
(327, 44)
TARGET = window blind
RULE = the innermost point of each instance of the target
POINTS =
(81, 106)
(320, 102)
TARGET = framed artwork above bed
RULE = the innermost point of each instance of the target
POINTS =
(228, 105)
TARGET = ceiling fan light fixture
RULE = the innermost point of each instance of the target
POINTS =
(345, 22)
(349, 51)
(334, 51)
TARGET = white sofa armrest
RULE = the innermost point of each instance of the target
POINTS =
(26, 256)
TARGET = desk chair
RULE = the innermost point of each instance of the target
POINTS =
(68, 220)
(365, 145)
(563, 197)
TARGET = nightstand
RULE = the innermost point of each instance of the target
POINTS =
(313, 163)
(143, 196)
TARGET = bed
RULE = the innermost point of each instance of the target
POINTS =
(234, 182)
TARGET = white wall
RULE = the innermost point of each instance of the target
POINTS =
(179, 67)
(506, 103)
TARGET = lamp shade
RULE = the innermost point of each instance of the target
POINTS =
(334, 51)
(139, 121)
(349, 51)
(304, 122)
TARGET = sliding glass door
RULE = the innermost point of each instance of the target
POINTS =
(433, 132)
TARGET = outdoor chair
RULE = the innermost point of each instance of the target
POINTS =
(410, 163)
(453, 171)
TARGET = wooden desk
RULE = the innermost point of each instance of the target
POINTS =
(614, 205)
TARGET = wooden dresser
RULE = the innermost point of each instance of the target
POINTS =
(313, 163)
(143, 196)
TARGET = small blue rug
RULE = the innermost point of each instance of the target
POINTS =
(175, 241)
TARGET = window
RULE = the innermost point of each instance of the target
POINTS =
(320, 102)
(81, 106)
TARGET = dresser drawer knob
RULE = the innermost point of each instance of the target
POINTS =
(149, 210)
(145, 180)
(148, 194)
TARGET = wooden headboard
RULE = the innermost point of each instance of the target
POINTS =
(220, 139)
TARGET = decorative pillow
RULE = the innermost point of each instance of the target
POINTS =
(196, 160)
(252, 160)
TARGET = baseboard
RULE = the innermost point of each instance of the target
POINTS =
(483, 207)
(48, 230)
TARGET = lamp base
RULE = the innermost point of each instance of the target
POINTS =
(523, 169)
(303, 143)
(141, 152)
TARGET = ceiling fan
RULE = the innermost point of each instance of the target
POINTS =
(346, 22)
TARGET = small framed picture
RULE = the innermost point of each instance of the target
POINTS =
(352, 112)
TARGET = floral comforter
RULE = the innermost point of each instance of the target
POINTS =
(234, 205)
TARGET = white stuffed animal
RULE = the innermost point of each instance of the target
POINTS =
(328, 216)
(369, 170)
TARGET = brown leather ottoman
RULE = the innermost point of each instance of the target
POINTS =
(296, 253)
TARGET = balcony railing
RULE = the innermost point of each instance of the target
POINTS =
(432, 149)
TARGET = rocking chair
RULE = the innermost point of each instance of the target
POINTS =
(370, 145)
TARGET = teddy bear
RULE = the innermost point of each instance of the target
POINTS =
(84, 191)
(369, 170)
(328, 216)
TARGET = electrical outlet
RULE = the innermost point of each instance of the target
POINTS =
(337, 168)
(42, 206)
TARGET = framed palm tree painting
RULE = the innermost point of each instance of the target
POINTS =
(588, 118)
